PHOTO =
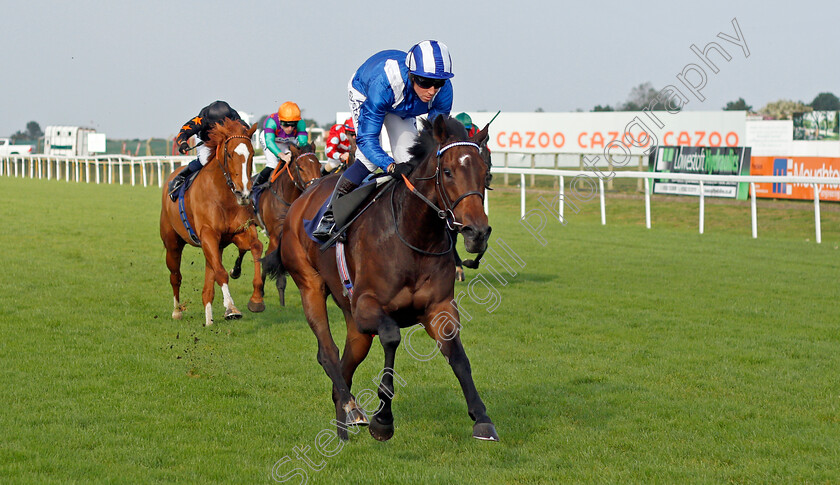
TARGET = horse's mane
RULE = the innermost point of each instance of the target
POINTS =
(425, 142)
(227, 128)
(307, 148)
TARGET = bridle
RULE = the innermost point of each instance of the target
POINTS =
(447, 212)
(296, 178)
(224, 166)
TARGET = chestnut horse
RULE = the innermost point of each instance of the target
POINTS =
(286, 186)
(219, 210)
(399, 255)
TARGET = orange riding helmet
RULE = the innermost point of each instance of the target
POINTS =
(288, 111)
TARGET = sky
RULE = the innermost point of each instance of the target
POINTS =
(141, 69)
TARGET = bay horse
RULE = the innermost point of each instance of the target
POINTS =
(285, 187)
(218, 208)
(399, 255)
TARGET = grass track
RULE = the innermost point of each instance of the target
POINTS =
(617, 354)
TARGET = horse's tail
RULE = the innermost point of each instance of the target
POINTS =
(272, 265)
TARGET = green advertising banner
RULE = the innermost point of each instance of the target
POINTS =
(701, 160)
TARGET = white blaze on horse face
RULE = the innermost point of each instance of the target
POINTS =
(243, 150)
(463, 160)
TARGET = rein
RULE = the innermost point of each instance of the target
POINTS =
(297, 178)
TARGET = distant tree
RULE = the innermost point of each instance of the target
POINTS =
(599, 108)
(643, 96)
(783, 109)
(739, 105)
(33, 129)
(826, 102)
(33, 132)
(539, 110)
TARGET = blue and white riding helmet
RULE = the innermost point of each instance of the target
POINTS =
(430, 59)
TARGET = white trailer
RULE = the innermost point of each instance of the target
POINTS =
(70, 140)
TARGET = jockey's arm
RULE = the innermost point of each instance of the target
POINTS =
(302, 135)
(371, 118)
(270, 133)
(189, 129)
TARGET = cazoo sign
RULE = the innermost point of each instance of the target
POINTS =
(596, 132)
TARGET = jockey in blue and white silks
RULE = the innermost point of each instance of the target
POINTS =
(390, 90)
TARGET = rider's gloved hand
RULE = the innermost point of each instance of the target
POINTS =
(397, 169)
(184, 147)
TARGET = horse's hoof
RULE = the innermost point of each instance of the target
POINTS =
(177, 314)
(235, 274)
(459, 274)
(381, 432)
(485, 432)
(256, 307)
(356, 417)
(208, 323)
(232, 314)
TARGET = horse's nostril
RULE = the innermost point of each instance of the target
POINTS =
(468, 231)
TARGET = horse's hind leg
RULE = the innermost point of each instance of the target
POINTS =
(245, 241)
(174, 249)
(236, 271)
(273, 267)
(442, 323)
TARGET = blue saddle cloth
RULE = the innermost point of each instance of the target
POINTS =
(310, 225)
(182, 209)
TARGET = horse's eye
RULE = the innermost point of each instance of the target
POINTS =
(447, 172)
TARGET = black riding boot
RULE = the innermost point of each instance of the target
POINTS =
(181, 177)
(262, 177)
(326, 227)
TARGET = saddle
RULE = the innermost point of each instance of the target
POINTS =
(346, 208)
(257, 190)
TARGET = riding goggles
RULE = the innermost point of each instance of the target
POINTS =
(427, 82)
(289, 124)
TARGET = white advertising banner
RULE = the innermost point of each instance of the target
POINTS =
(593, 132)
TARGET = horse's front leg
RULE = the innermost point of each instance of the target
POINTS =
(369, 314)
(442, 323)
(214, 272)
(356, 348)
(248, 240)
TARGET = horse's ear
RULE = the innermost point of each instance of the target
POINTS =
(251, 130)
(482, 136)
(439, 129)
(295, 150)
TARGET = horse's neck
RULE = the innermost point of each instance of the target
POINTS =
(287, 187)
(416, 219)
